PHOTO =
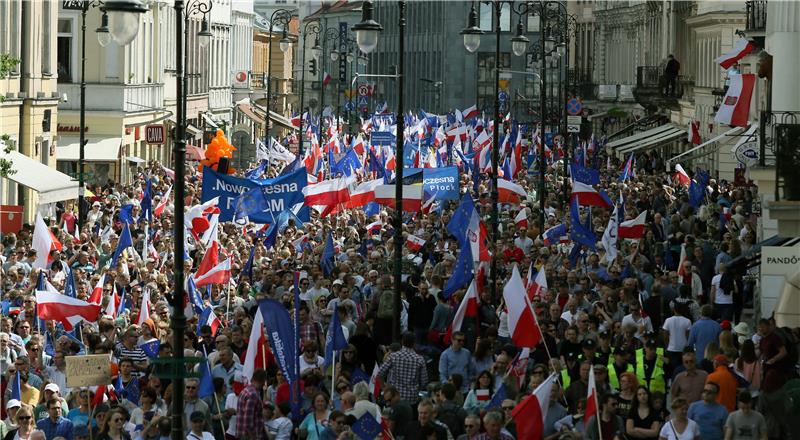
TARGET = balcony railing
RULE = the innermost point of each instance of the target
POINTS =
(779, 142)
(650, 81)
(756, 15)
(113, 97)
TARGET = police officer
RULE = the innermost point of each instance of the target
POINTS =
(650, 367)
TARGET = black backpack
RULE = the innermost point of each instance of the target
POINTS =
(453, 416)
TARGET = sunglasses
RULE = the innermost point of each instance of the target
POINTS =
(24, 417)
(191, 388)
(470, 426)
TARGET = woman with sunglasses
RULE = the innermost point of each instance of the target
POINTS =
(113, 426)
(25, 424)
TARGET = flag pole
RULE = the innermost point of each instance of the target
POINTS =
(333, 373)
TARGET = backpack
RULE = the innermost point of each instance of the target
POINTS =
(450, 416)
(386, 305)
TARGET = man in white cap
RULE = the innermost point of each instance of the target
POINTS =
(51, 390)
(11, 411)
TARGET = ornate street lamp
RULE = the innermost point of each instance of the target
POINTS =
(472, 33)
(123, 19)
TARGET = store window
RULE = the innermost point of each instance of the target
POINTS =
(64, 55)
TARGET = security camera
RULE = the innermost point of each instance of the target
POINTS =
(64, 97)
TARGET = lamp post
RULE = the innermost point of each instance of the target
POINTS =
(329, 34)
(367, 39)
(282, 17)
(311, 27)
(178, 319)
(123, 32)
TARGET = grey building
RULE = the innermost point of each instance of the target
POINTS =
(440, 73)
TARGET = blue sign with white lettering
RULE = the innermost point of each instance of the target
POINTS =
(438, 183)
(281, 194)
(383, 138)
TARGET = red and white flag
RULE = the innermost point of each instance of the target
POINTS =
(374, 227)
(327, 193)
(521, 220)
(735, 107)
(633, 229)
(163, 203)
(681, 260)
(326, 79)
(43, 243)
(363, 193)
(212, 321)
(113, 303)
(144, 310)
(375, 381)
(258, 354)
(591, 399)
(694, 132)
(681, 175)
(467, 308)
(219, 274)
(740, 49)
(412, 197)
(65, 309)
(97, 293)
(510, 192)
(469, 112)
(531, 412)
(522, 324)
(415, 243)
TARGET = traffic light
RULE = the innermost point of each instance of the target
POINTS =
(312, 66)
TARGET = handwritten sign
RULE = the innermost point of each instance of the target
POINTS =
(88, 370)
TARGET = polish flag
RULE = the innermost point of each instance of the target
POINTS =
(483, 139)
(539, 285)
(469, 112)
(694, 132)
(531, 412)
(633, 229)
(43, 243)
(516, 156)
(219, 274)
(296, 121)
(163, 203)
(209, 261)
(375, 382)
(467, 308)
(735, 107)
(326, 79)
(144, 310)
(195, 218)
(681, 260)
(510, 192)
(327, 193)
(65, 309)
(412, 197)
(209, 318)
(97, 293)
(591, 399)
(374, 227)
(588, 196)
(521, 220)
(258, 354)
(681, 175)
(522, 325)
(388, 158)
(363, 193)
(740, 49)
(483, 395)
(415, 243)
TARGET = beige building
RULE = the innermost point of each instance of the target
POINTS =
(29, 113)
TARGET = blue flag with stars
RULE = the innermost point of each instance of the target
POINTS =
(150, 348)
(125, 241)
(366, 427)
(16, 389)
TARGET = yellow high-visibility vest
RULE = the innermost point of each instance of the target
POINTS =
(657, 376)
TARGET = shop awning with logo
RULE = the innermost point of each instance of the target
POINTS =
(732, 132)
(96, 150)
(667, 134)
(52, 185)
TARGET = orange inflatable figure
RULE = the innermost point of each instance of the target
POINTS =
(216, 150)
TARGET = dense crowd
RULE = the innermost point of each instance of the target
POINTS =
(671, 354)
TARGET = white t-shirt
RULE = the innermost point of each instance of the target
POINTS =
(206, 436)
(678, 327)
(231, 401)
(691, 432)
(569, 316)
(721, 296)
(281, 428)
(305, 365)
(629, 319)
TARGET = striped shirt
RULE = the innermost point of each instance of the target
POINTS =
(136, 354)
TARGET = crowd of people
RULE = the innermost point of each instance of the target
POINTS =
(659, 328)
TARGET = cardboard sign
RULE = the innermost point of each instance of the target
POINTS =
(88, 370)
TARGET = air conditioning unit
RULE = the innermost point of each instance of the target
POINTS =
(241, 79)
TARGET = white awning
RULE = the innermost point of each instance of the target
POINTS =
(135, 159)
(97, 150)
(193, 131)
(653, 141)
(211, 122)
(643, 136)
(730, 132)
(52, 185)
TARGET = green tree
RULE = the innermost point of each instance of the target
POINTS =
(7, 62)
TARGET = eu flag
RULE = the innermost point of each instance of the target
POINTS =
(334, 340)
(584, 175)
(125, 241)
(328, 262)
(366, 427)
(462, 273)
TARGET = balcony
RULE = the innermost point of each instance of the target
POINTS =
(581, 83)
(129, 98)
(650, 87)
(780, 145)
(756, 16)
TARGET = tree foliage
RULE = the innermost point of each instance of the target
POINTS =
(7, 63)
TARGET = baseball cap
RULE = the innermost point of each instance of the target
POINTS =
(721, 359)
(589, 343)
(651, 343)
(13, 403)
(197, 416)
(52, 387)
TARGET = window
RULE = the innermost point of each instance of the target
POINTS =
(64, 56)
(486, 66)
(487, 18)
